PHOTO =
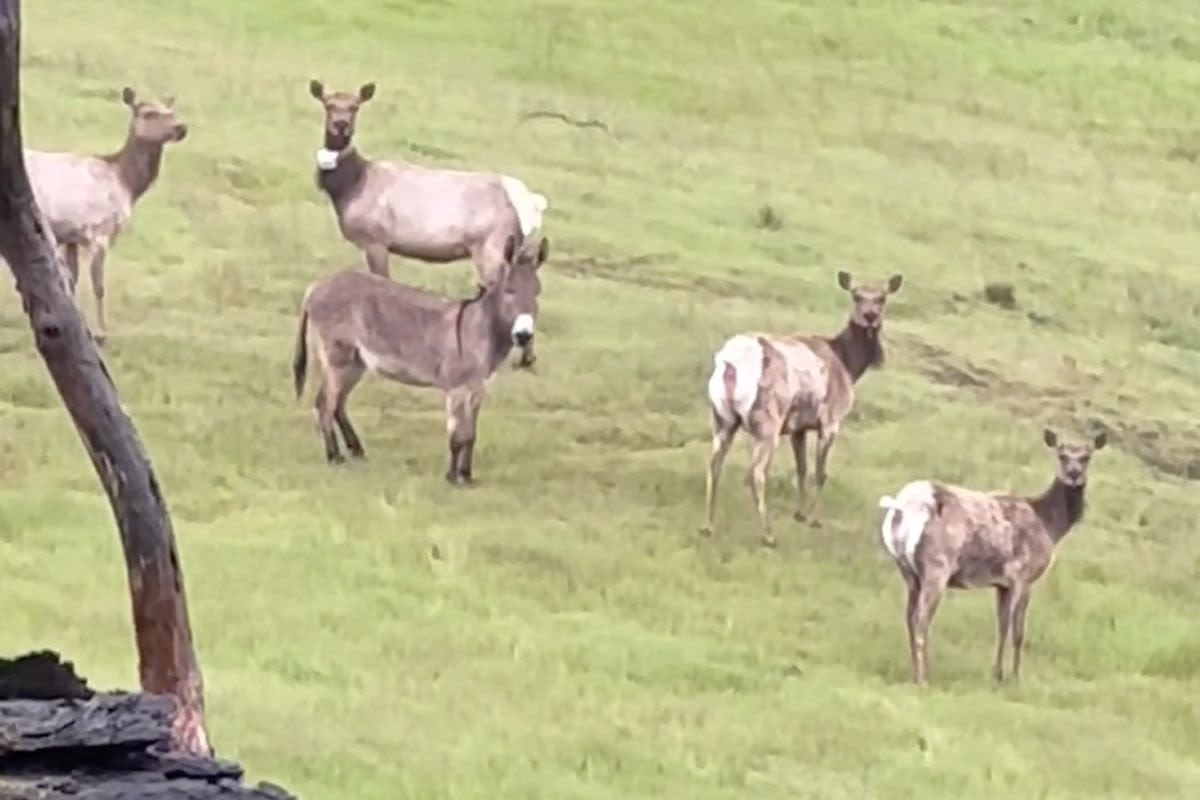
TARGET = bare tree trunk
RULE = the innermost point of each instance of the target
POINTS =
(166, 661)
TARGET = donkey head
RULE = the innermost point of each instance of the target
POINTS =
(1073, 458)
(341, 110)
(153, 121)
(520, 287)
(867, 300)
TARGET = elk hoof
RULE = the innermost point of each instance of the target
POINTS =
(100, 338)
(768, 541)
(800, 516)
(706, 531)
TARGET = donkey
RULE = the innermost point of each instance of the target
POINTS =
(357, 322)
(434, 215)
(88, 200)
(789, 385)
(941, 535)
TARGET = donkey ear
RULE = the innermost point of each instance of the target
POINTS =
(543, 251)
(366, 92)
(510, 249)
(1100, 440)
(1050, 437)
(843, 279)
(128, 96)
(894, 283)
(316, 89)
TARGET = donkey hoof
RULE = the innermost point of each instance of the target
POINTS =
(335, 459)
(100, 338)
(358, 455)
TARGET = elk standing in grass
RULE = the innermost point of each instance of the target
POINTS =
(789, 385)
(88, 200)
(434, 215)
(941, 535)
(357, 322)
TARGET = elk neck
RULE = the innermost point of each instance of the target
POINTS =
(1060, 507)
(137, 164)
(858, 348)
(341, 182)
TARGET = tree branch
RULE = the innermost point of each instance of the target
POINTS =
(166, 660)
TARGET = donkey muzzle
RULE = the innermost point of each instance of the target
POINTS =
(522, 330)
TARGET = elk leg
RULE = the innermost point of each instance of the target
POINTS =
(825, 440)
(377, 260)
(99, 253)
(799, 448)
(71, 259)
(910, 616)
(722, 438)
(1020, 605)
(1003, 624)
(760, 464)
(928, 598)
(350, 379)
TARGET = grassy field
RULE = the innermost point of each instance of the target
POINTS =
(574, 637)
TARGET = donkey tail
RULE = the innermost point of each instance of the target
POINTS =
(300, 357)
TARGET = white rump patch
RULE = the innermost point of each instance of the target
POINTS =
(523, 324)
(529, 205)
(327, 159)
(914, 506)
(745, 355)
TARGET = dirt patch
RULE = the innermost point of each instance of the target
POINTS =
(623, 270)
(1167, 449)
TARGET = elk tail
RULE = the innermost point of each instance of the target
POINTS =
(300, 358)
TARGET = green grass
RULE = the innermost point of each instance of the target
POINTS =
(576, 638)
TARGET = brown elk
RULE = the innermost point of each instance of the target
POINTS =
(941, 535)
(357, 322)
(789, 385)
(434, 215)
(87, 200)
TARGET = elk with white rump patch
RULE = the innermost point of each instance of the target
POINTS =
(941, 535)
(789, 385)
(357, 322)
(87, 200)
(434, 215)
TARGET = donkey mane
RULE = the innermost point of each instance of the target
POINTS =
(462, 308)
(858, 348)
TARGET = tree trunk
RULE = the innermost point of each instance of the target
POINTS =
(166, 661)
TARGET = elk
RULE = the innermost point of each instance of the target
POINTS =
(434, 215)
(941, 535)
(87, 200)
(789, 385)
(358, 322)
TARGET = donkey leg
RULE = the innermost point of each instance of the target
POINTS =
(799, 450)
(99, 254)
(459, 429)
(722, 439)
(324, 407)
(760, 463)
(467, 454)
(377, 260)
(350, 379)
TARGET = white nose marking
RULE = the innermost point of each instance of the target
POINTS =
(326, 159)
(523, 325)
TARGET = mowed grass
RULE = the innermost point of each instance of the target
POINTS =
(560, 630)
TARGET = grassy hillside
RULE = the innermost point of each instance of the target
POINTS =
(575, 638)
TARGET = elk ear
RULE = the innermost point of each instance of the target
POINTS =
(543, 251)
(169, 101)
(510, 249)
(366, 92)
(1100, 440)
(317, 89)
(894, 283)
(1050, 437)
(843, 279)
(128, 96)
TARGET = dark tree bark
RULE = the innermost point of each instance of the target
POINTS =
(166, 661)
